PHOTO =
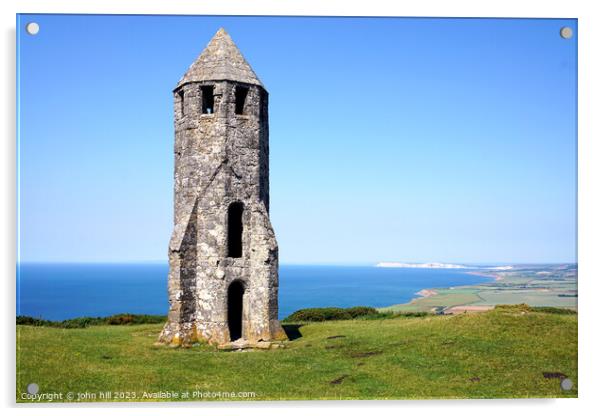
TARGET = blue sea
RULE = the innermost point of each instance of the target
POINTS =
(63, 291)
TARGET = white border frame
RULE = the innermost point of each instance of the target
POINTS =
(589, 199)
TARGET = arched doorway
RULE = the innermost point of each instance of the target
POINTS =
(236, 291)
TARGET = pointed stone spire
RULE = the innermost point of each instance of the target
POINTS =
(221, 60)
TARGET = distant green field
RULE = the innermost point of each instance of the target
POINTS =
(500, 353)
(531, 297)
(541, 286)
(444, 298)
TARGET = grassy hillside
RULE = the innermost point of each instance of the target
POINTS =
(501, 353)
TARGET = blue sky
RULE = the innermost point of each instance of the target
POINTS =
(391, 138)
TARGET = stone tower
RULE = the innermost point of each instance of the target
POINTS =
(223, 255)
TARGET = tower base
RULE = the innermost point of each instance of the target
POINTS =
(215, 333)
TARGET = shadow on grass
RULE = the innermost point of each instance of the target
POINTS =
(292, 331)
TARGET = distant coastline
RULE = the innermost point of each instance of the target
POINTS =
(495, 276)
(436, 265)
(394, 264)
(425, 293)
(428, 292)
(551, 285)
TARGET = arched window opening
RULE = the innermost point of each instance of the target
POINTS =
(207, 98)
(240, 94)
(181, 99)
(235, 229)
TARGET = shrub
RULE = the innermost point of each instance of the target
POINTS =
(318, 314)
(86, 321)
(123, 319)
(394, 315)
(28, 320)
(330, 314)
(358, 311)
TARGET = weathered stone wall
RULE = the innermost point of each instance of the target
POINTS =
(221, 158)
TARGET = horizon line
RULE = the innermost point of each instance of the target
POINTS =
(166, 262)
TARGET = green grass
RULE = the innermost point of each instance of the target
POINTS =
(500, 353)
